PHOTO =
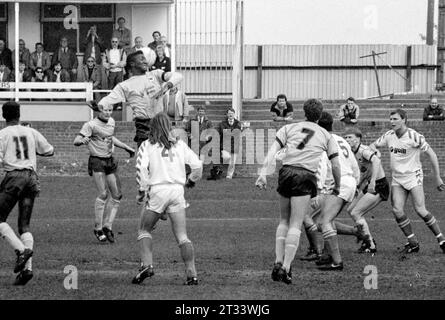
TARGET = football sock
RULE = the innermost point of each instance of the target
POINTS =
(331, 241)
(345, 229)
(188, 256)
(146, 249)
(8, 234)
(291, 246)
(111, 208)
(28, 241)
(363, 225)
(99, 207)
(280, 239)
(405, 224)
(313, 237)
(431, 222)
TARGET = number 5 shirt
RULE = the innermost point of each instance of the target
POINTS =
(157, 165)
(19, 146)
(305, 143)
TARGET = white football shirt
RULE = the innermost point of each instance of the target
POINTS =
(156, 165)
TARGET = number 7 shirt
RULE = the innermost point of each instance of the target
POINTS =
(19, 146)
(155, 165)
(305, 143)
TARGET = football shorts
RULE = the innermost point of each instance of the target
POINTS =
(21, 183)
(347, 188)
(166, 198)
(97, 164)
(381, 188)
(296, 182)
(409, 181)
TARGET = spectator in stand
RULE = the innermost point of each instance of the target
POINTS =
(149, 54)
(114, 63)
(281, 110)
(204, 124)
(349, 111)
(59, 74)
(94, 45)
(162, 62)
(167, 46)
(123, 34)
(67, 57)
(5, 73)
(176, 105)
(25, 74)
(156, 40)
(229, 151)
(39, 76)
(433, 111)
(90, 72)
(5, 55)
(40, 58)
(24, 54)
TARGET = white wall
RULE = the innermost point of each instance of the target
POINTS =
(29, 26)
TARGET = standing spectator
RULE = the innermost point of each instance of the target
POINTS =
(40, 58)
(281, 110)
(156, 40)
(162, 62)
(5, 54)
(349, 111)
(90, 72)
(5, 74)
(204, 124)
(59, 74)
(433, 111)
(123, 34)
(67, 57)
(167, 46)
(114, 63)
(94, 45)
(176, 105)
(149, 54)
(229, 151)
(24, 54)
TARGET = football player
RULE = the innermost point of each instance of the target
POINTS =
(98, 135)
(18, 148)
(161, 178)
(303, 145)
(405, 145)
(373, 187)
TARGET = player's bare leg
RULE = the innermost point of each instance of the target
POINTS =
(312, 233)
(25, 211)
(418, 199)
(330, 209)
(112, 206)
(147, 222)
(99, 205)
(185, 245)
(398, 198)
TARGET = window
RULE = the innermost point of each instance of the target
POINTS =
(54, 18)
(3, 20)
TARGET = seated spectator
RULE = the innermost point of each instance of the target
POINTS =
(229, 153)
(156, 40)
(149, 54)
(176, 105)
(114, 63)
(281, 110)
(162, 62)
(39, 76)
(123, 35)
(433, 111)
(25, 74)
(5, 73)
(94, 45)
(5, 55)
(40, 58)
(90, 72)
(24, 54)
(167, 46)
(67, 57)
(349, 111)
(59, 74)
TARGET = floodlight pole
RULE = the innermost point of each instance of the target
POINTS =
(373, 55)
(16, 53)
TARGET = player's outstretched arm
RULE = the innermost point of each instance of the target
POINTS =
(81, 140)
(436, 170)
(268, 167)
(124, 146)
